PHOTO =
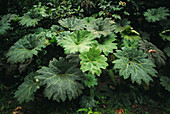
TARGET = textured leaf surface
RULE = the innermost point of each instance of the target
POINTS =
(101, 26)
(90, 80)
(61, 79)
(72, 23)
(133, 63)
(92, 61)
(25, 48)
(78, 41)
(107, 44)
(165, 81)
(26, 90)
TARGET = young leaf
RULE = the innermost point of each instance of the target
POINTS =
(61, 79)
(72, 23)
(26, 90)
(133, 63)
(165, 81)
(92, 61)
(78, 41)
(90, 80)
(107, 44)
(25, 48)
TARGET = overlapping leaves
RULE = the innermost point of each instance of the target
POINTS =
(25, 48)
(61, 80)
(78, 41)
(133, 63)
(26, 90)
(92, 61)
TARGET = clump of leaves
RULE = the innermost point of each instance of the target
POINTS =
(78, 41)
(101, 26)
(154, 15)
(72, 23)
(61, 80)
(156, 57)
(93, 61)
(26, 90)
(26, 47)
(133, 63)
(165, 81)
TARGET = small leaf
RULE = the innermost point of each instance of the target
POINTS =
(26, 90)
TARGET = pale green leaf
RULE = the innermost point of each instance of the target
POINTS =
(92, 61)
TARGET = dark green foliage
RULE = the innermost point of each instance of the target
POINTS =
(61, 80)
(157, 57)
(26, 90)
(165, 81)
(101, 26)
(27, 47)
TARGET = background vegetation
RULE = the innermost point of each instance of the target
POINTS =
(84, 56)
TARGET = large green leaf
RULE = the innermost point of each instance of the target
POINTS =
(61, 79)
(26, 90)
(106, 44)
(165, 81)
(72, 23)
(101, 26)
(78, 41)
(92, 61)
(133, 63)
(25, 48)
